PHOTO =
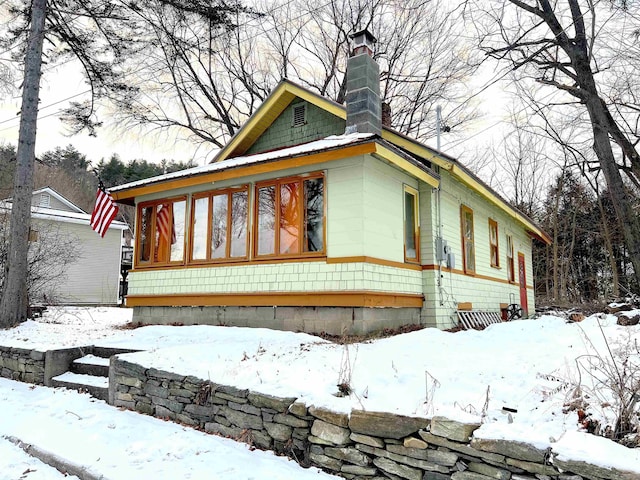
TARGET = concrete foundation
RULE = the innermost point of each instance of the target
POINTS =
(331, 320)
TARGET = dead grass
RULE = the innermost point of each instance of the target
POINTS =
(378, 334)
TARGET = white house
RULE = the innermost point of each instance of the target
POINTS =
(92, 277)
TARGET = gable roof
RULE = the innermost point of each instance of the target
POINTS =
(287, 92)
(60, 198)
(331, 148)
(394, 147)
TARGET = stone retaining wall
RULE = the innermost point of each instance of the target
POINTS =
(361, 445)
(21, 364)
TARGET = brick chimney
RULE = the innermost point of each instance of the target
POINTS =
(363, 87)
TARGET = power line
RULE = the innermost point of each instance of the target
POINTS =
(160, 61)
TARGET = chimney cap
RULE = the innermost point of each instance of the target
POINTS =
(363, 38)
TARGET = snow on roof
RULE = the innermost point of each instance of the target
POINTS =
(62, 215)
(327, 143)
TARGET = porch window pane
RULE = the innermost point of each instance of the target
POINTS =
(219, 226)
(239, 224)
(289, 217)
(177, 240)
(165, 233)
(146, 237)
(200, 214)
(410, 226)
(468, 240)
(266, 220)
(493, 243)
(314, 215)
(510, 263)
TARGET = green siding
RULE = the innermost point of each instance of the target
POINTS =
(319, 124)
(445, 290)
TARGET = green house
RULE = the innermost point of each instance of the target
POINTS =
(315, 217)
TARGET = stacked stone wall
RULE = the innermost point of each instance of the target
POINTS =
(22, 364)
(360, 445)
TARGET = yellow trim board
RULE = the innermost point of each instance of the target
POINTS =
(279, 99)
(281, 299)
(407, 166)
(286, 92)
(255, 169)
(372, 147)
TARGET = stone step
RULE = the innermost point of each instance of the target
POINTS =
(96, 386)
(107, 352)
(91, 365)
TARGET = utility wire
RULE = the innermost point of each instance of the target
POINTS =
(159, 62)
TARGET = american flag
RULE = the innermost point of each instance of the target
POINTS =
(104, 211)
(165, 224)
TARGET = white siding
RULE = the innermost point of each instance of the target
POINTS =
(93, 278)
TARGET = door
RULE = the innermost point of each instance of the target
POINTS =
(522, 276)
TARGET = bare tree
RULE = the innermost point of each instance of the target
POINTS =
(423, 54)
(101, 36)
(50, 252)
(524, 163)
(561, 44)
(14, 302)
(204, 79)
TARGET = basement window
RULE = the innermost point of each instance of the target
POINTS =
(299, 115)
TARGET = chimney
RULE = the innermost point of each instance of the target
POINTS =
(386, 114)
(363, 87)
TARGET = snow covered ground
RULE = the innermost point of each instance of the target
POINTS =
(517, 378)
(121, 445)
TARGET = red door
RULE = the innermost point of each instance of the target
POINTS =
(522, 276)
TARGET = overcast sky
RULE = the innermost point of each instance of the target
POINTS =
(65, 83)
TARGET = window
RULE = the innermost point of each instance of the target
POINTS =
(220, 225)
(160, 238)
(468, 247)
(493, 243)
(510, 265)
(290, 216)
(411, 225)
(299, 115)
(45, 200)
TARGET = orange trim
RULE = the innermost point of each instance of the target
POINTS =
(475, 275)
(272, 260)
(281, 299)
(375, 261)
(465, 306)
(267, 167)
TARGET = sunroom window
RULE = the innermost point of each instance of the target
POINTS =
(290, 216)
(161, 228)
(220, 221)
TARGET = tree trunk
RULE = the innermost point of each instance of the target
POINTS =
(622, 204)
(14, 303)
(556, 259)
(609, 247)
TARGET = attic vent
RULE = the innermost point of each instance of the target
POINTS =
(299, 115)
(45, 200)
